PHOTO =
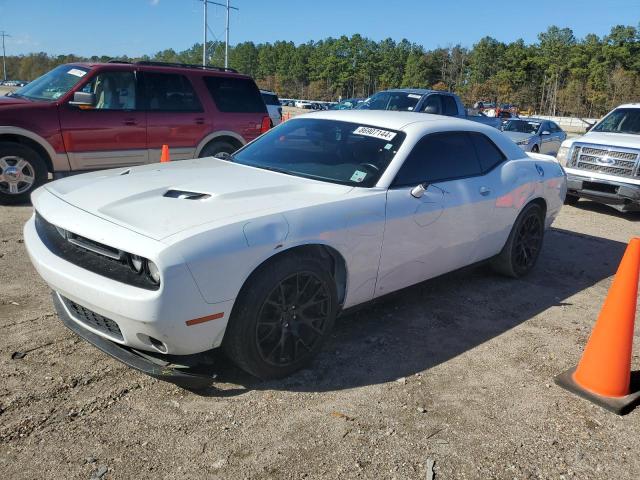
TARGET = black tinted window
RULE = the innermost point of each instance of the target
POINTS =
(170, 92)
(438, 157)
(433, 105)
(270, 99)
(488, 154)
(449, 106)
(238, 95)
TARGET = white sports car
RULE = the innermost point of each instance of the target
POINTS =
(259, 251)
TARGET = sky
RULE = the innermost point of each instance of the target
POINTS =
(137, 27)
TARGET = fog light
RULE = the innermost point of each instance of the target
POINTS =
(154, 273)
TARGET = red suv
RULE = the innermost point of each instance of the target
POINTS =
(81, 117)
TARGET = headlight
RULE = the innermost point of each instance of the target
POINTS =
(137, 263)
(563, 154)
(153, 272)
(523, 142)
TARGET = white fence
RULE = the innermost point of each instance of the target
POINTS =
(570, 124)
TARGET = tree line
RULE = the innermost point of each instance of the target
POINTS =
(557, 75)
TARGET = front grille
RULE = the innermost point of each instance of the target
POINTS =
(90, 255)
(607, 160)
(93, 319)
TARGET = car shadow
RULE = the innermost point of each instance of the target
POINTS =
(596, 207)
(425, 325)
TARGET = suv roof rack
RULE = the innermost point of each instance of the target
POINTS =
(186, 65)
(176, 64)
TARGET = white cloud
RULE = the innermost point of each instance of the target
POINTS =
(154, 2)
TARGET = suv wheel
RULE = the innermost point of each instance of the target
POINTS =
(22, 170)
(214, 148)
(282, 317)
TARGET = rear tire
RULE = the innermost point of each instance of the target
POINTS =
(535, 149)
(22, 170)
(214, 148)
(520, 253)
(282, 317)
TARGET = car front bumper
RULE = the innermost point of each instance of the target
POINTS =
(141, 316)
(614, 192)
(188, 371)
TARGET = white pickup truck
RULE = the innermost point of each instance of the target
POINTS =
(604, 164)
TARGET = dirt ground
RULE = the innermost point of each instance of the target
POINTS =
(457, 370)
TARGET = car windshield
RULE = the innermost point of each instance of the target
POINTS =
(621, 120)
(326, 150)
(52, 85)
(521, 126)
(400, 101)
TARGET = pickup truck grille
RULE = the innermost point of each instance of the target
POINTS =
(609, 160)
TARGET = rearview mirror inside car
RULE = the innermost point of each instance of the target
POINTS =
(83, 99)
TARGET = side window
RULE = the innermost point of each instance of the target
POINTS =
(230, 94)
(449, 106)
(433, 105)
(170, 93)
(437, 157)
(113, 90)
(554, 128)
(489, 155)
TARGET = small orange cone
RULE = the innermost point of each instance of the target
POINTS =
(604, 372)
(164, 157)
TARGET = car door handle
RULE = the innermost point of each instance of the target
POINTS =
(484, 191)
(130, 121)
(200, 121)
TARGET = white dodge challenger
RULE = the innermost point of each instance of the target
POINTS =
(258, 252)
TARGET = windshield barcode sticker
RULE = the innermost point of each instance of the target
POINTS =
(375, 133)
(413, 95)
(77, 72)
(358, 176)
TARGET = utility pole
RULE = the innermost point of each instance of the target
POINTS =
(4, 34)
(228, 8)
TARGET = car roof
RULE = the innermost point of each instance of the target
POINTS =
(390, 119)
(417, 91)
(157, 67)
(629, 105)
(530, 119)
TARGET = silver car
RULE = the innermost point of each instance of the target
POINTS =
(535, 135)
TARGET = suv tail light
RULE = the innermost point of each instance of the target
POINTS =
(266, 124)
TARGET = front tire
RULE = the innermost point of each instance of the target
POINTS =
(520, 253)
(22, 170)
(282, 317)
(535, 149)
(571, 199)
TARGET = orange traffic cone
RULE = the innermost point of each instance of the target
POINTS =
(164, 157)
(603, 375)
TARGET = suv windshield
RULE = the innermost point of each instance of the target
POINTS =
(327, 150)
(400, 101)
(621, 120)
(52, 85)
(521, 126)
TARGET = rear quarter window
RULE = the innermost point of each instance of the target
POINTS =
(238, 95)
(270, 99)
(489, 155)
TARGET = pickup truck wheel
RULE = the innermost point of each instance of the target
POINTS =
(282, 317)
(21, 171)
(571, 199)
(520, 253)
(214, 148)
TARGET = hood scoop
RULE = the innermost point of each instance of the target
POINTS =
(185, 195)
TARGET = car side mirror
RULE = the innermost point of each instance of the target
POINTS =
(546, 132)
(222, 156)
(589, 127)
(418, 190)
(83, 99)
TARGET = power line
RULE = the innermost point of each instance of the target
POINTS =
(4, 34)
(228, 7)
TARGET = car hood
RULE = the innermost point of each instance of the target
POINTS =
(626, 140)
(136, 198)
(12, 101)
(518, 136)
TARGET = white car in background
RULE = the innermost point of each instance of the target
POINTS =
(258, 253)
(274, 107)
